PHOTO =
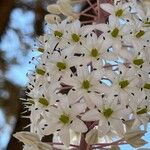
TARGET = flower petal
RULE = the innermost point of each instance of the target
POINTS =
(78, 126)
(65, 136)
(91, 115)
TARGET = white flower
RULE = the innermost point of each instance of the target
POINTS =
(87, 80)
(113, 33)
(75, 37)
(109, 115)
(119, 9)
(84, 83)
(123, 84)
(95, 50)
(137, 37)
(62, 118)
(140, 106)
(57, 33)
(58, 65)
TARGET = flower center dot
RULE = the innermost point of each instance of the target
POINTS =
(140, 34)
(94, 52)
(86, 84)
(43, 101)
(75, 37)
(61, 65)
(123, 84)
(119, 13)
(107, 112)
(115, 32)
(58, 34)
(138, 62)
(141, 111)
(147, 86)
(40, 71)
(64, 119)
(147, 22)
(41, 49)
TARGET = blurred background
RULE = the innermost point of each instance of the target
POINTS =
(21, 21)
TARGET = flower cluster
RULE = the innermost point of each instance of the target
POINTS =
(92, 80)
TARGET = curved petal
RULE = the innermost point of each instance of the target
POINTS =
(91, 115)
(78, 126)
(107, 7)
(65, 136)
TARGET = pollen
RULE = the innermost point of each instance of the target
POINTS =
(147, 86)
(86, 85)
(107, 112)
(40, 71)
(43, 101)
(141, 111)
(75, 37)
(123, 84)
(115, 32)
(64, 119)
(94, 53)
(61, 65)
(138, 62)
(58, 34)
(119, 13)
(140, 33)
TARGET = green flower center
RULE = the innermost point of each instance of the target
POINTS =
(138, 62)
(140, 33)
(119, 13)
(43, 101)
(147, 86)
(64, 119)
(75, 37)
(107, 112)
(123, 84)
(94, 52)
(40, 71)
(147, 22)
(58, 34)
(141, 111)
(86, 85)
(41, 50)
(115, 32)
(61, 65)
